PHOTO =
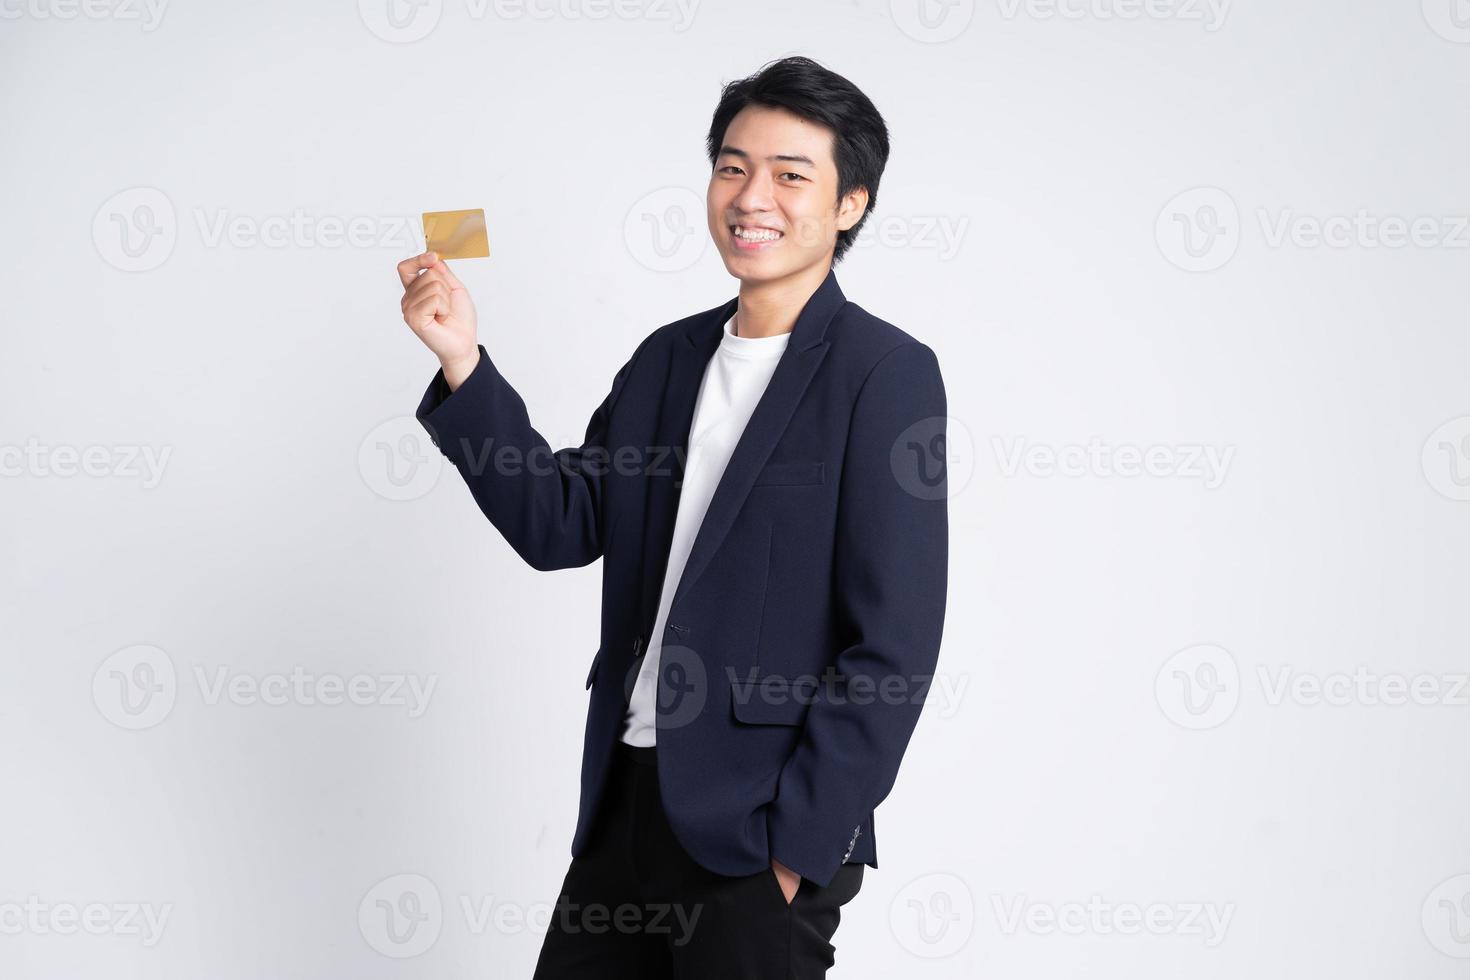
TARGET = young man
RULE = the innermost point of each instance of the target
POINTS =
(765, 483)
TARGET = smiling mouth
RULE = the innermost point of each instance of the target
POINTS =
(748, 237)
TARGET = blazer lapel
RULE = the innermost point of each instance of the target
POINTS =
(685, 370)
(794, 370)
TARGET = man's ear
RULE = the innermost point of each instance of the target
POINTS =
(851, 208)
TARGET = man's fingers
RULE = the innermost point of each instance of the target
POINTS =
(442, 268)
(426, 308)
(408, 269)
(417, 292)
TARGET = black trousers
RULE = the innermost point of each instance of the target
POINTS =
(636, 906)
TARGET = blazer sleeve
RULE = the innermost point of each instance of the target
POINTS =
(890, 571)
(548, 505)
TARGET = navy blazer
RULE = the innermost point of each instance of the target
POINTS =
(805, 629)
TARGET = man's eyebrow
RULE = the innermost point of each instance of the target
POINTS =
(728, 150)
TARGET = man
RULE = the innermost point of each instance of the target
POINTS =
(765, 483)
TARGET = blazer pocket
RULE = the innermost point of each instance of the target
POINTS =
(764, 705)
(792, 474)
(592, 674)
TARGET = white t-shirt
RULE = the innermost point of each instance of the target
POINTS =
(733, 382)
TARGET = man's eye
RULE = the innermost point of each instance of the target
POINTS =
(729, 166)
(790, 174)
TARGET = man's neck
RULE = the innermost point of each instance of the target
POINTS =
(766, 309)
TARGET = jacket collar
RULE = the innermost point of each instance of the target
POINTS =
(703, 332)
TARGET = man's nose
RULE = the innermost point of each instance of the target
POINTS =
(755, 197)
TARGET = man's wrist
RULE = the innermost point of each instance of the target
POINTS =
(460, 368)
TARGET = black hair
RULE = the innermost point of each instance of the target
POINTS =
(801, 86)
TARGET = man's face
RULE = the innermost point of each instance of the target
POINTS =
(775, 182)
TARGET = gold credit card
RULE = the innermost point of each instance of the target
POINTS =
(456, 234)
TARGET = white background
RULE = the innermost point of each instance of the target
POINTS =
(1034, 234)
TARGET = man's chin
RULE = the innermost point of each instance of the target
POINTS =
(758, 272)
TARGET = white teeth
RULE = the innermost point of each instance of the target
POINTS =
(752, 235)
